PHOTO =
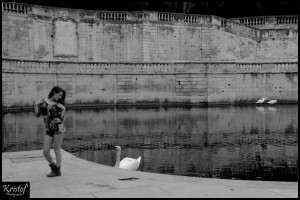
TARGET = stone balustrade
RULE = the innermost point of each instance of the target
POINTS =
(268, 21)
(287, 20)
(114, 16)
(170, 17)
(191, 19)
(50, 67)
(166, 17)
(15, 7)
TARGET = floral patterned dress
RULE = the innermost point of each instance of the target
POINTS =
(52, 118)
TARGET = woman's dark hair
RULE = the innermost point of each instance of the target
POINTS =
(57, 89)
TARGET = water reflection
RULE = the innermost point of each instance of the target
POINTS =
(234, 142)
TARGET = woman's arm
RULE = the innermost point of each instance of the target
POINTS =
(63, 112)
(36, 107)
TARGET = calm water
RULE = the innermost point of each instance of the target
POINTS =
(232, 142)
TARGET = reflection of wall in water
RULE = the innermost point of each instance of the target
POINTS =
(247, 124)
(210, 152)
(208, 162)
(22, 128)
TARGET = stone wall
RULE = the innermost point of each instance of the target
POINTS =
(102, 83)
(141, 57)
(60, 34)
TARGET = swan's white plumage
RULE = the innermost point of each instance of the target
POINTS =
(130, 163)
(261, 100)
(272, 101)
(127, 163)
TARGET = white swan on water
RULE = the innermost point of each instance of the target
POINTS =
(261, 100)
(127, 163)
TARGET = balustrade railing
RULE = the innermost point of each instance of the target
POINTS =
(166, 17)
(172, 17)
(253, 21)
(32, 66)
(15, 7)
(113, 16)
(223, 23)
(261, 21)
(287, 20)
(191, 19)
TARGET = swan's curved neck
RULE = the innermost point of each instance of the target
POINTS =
(118, 159)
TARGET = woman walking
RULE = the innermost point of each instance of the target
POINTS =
(52, 110)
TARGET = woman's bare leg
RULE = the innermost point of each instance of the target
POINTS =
(58, 138)
(48, 141)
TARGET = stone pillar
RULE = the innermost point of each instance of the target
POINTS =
(149, 37)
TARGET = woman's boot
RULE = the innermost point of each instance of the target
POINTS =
(52, 166)
(55, 171)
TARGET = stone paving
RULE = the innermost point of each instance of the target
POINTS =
(84, 179)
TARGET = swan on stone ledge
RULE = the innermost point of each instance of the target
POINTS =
(272, 101)
(127, 163)
(261, 100)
